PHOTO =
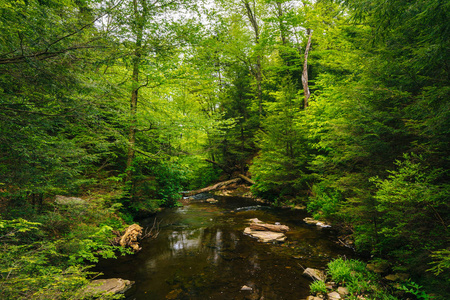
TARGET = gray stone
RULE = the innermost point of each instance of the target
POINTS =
(246, 288)
(255, 220)
(397, 277)
(342, 291)
(313, 298)
(315, 222)
(334, 296)
(315, 274)
(266, 236)
(110, 286)
(379, 267)
(300, 207)
(310, 221)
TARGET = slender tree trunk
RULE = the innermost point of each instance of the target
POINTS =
(242, 163)
(306, 91)
(282, 27)
(251, 14)
(139, 29)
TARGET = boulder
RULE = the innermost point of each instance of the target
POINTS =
(397, 277)
(246, 288)
(334, 296)
(315, 274)
(266, 236)
(255, 220)
(313, 298)
(266, 233)
(110, 286)
(299, 207)
(342, 291)
(315, 222)
(378, 267)
(212, 200)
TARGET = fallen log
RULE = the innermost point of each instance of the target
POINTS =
(269, 227)
(211, 187)
(246, 179)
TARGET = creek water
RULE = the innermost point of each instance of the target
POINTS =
(202, 253)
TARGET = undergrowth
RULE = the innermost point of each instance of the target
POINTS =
(47, 253)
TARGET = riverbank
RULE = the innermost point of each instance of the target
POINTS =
(47, 251)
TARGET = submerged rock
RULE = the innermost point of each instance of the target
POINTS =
(110, 286)
(315, 222)
(212, 200)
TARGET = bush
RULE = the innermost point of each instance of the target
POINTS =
(358, 279)
(49, 258)
(325, 202)
(318, 287)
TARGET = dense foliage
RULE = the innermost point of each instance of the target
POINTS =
(141, 96)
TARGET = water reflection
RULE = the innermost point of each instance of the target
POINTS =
(185, 240)
(201, 253)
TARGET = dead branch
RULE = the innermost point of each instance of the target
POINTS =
(151, 232)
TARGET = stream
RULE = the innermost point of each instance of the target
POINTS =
(202, 253)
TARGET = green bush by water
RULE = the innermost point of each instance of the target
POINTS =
(318, 287)
(48, 256)
(359, 281)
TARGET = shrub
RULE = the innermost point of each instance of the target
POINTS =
(318, 287)
(325, 201)
(358, 279)
(48, 258)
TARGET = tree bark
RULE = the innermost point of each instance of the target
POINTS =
(306, 91)
(282, 27)
(251, 14)
(139, 31)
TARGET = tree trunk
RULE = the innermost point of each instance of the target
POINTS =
(139, 29)
(251, 14)
(305, 69)
(224, 168)
(282, 27)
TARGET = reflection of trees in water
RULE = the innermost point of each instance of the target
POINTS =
(204, 255)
